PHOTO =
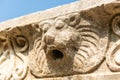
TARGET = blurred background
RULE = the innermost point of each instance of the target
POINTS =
(15, 8)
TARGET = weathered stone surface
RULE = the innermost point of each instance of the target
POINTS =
(78, 41)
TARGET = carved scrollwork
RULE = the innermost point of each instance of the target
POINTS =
(20, 43)
(113, 54)
(20, 46)
(116, 24)
(76, 43)
(113, 57)
(13, 54)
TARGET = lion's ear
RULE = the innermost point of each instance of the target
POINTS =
(73, 19)
(70, 19)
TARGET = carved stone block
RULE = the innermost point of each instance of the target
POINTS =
(71, 42)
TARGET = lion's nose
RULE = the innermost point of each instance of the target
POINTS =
(49, 39)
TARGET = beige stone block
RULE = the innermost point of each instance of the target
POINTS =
(77, 41)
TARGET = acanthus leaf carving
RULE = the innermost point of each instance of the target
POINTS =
(14, 50)
(65, 45)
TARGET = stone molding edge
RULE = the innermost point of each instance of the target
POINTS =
(42, 15)
(78, 43)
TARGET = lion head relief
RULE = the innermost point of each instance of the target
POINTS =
(69, 45)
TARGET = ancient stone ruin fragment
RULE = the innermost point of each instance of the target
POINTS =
(77, 41)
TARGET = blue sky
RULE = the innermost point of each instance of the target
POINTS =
(14, 8)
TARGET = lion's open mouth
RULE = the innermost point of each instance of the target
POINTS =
(56, 54)
(53, 52)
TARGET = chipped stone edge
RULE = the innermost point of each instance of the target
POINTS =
(51, 13)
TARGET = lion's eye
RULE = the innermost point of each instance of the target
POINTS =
(59, 24)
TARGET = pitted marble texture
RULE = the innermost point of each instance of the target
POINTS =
(77, 41)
